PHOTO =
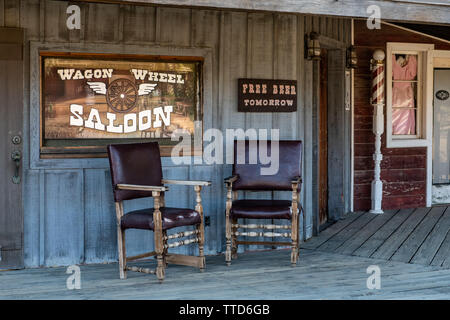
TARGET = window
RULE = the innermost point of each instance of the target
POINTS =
(407, 92)
(91, 100)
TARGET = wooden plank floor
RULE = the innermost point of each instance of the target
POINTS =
(419, 236)
(254, 275)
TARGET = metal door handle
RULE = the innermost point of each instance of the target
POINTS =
(16, 156)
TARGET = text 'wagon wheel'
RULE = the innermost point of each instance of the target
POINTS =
(121, 95)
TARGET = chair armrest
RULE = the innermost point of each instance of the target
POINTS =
(231, 179)
(187, 182)
(297, 180)
(137, 187)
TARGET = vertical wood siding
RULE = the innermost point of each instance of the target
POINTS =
(69, 213)
(403, 170)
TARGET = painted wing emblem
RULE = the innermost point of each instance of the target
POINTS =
(98, 87)
(146, 88)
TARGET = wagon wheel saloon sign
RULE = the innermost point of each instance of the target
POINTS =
(88, 103)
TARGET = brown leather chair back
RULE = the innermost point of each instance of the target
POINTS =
(136, 163)
(250, 178)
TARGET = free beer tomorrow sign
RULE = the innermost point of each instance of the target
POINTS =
(86, 98)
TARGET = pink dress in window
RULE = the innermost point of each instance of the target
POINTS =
(403, 121)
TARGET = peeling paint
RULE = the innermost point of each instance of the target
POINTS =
(441, 194)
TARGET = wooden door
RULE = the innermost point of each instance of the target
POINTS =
(11, 109)
(323, 138)
(338, 138)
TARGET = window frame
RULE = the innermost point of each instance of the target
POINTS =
(424, 116)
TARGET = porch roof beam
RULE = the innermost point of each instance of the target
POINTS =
(431, 11)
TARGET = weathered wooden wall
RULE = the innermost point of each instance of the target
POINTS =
(68, 206)
(434, 11)
(403, 170)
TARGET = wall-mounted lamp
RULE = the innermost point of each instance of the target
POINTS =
(312, 46)
(352, 58)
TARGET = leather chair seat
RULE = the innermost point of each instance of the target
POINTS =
(261, 209)
(171, 218)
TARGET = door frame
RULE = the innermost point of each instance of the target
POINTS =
(440, 59)
(323, 137)
(344, 105)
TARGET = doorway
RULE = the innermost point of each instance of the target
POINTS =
(441, 137)
(333, 142)
(11, 116)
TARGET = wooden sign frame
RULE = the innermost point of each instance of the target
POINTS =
(267, 95)
(96, 147)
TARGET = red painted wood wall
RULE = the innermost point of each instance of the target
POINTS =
(403, 170)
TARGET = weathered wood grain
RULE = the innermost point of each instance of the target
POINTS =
(31, 218)
(383, 233)
(350, 231)
(434, 241)
(328, 233)
(64, 219)
(239, 44)
(392, 10)
(318, 275)
(442, 256)
(390, 246)
(352, 244)
(145, 17)
(102, 22)
(410, 246)
(100, 219)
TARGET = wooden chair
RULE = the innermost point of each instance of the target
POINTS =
(248, 177)
(136, 173)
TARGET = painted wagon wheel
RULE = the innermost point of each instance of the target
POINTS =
(121, 95)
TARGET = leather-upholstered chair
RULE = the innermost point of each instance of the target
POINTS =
(248, 177)
(136, 172)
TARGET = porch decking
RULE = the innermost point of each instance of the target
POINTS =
(419, 236)
(411, 247)
(254, 275)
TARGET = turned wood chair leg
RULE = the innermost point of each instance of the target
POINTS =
(121, 242)
(122, 253)
(228, 237)
(165, 250)
(228, 224)
(201, 244)
(200, 227)
(294, 253)
(294, 225)
(295, 240)
(158, 237)
(234, 245)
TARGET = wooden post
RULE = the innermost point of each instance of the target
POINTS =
(158, 236)
(200, 227)
(377, 100)
(121, 242)
(294, 225)
(228, 223)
